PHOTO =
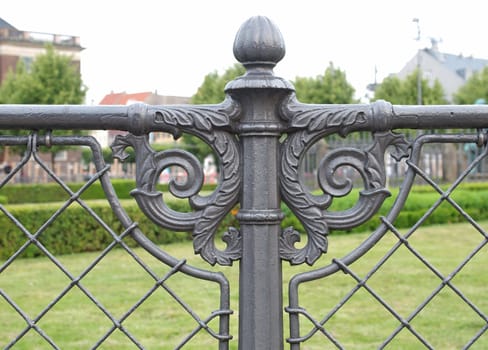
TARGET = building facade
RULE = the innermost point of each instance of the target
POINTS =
(452, 71)
(151, 98)
(18, 45)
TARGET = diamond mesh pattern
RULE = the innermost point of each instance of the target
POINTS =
(434, 292)
(109, 318)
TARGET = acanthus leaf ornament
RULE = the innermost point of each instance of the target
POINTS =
(309, 123)
(207, 123)
(324, 117)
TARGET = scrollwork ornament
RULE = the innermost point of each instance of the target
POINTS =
(311, 210)
(370, 164)
(206, 211)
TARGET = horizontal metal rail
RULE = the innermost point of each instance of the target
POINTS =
(141, 118)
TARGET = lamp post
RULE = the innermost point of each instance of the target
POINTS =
(419, 64)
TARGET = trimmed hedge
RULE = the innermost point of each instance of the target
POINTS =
(471, 197)
(52, 192)
(74, 230)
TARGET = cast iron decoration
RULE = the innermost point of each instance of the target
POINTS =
(259, 46)
(209, 124)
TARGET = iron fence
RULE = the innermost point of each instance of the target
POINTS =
(261, 136)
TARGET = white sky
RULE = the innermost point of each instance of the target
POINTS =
(169, 46)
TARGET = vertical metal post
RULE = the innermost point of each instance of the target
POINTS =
(260, 303)
(259, 46)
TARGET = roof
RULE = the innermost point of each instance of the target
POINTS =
(5, 24)
(151, 98)
(123, 98)
(458, 64)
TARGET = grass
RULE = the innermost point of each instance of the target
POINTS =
(404, 283)
(118, 282)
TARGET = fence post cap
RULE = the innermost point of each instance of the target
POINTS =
(259, 42)
(259, 46)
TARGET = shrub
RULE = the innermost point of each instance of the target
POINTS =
(468, 196)
(52, 192)
(74, 230)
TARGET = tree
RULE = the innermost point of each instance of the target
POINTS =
(212, 89)
(475, 89)
(391, 89)
(404, 92)
(15, 90)
(52, 79)
(210, 92)
(332, 87)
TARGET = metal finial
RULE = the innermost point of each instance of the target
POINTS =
(259, 46)
(259, 43)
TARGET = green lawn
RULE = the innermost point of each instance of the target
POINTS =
(118, 283)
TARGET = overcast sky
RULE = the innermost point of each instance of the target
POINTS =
(169, 46)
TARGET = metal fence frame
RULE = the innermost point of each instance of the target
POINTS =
(260, 134)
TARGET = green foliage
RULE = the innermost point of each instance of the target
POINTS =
(87, 155)
(118, 282)
(421, 199)
(469, 196)
(391, 89)
(404, 92)
(332, 87)
(39, 193)
(212, 89)
(56, 80)
(52, 79)
(15, 91)
(15, 87)
(76, 231)
(210, 92)
(196, 146)
(476, 88)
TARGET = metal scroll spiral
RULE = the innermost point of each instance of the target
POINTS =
(311, 209)
(207, 211)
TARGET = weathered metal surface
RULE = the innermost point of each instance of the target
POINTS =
(260, 134)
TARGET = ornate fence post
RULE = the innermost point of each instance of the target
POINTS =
(259, 46)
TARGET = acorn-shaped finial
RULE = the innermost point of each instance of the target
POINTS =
(259, 46)
(259, 43)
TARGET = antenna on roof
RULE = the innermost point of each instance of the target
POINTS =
(416, 20)
(434, 42)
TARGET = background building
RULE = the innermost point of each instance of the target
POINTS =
(106, 137)
(452, 71)
(18, 45)
(151, 98)
(23, 46)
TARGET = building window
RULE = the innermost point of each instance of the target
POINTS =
(27, 63)
(61, 156)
